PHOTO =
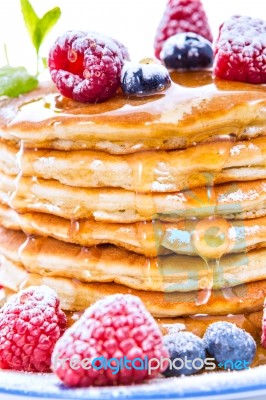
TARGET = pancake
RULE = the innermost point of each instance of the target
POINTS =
(235, 200)
(177, 118)
(208, 163)
(50, 257)
(197, 324)
(75, 295)
(147, 238)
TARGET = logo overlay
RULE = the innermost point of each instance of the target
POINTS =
(118, 364)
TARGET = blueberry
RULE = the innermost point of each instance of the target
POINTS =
(188, 352)
(187, 51)
(144, 79)
(232, 347)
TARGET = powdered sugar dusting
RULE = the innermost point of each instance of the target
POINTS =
(237, 149)
(178, 41)
(238, 196)
(43, 294)
(148, 70)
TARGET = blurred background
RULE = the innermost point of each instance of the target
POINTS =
(133, 22)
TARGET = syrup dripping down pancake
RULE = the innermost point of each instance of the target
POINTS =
(147, 238)
(219, 161)
(75, 295)
(230, 200)
(50, 257)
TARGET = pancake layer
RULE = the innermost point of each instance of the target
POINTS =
(50, 257)
(75, 295)
(193, 109)
(209, 163)
(231, 200)
(148, 238)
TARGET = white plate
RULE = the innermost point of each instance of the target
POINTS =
(244, 385)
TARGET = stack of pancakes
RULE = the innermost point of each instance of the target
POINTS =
(163, 197)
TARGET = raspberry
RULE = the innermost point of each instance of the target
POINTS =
(30, 324)
(182, 16)
(86, 66)
(117, 327)
(263, 336)
(240, 50)
(123, 49)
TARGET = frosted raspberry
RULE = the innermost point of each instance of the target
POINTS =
(30, 324)
(86, 66)
(182, 16)
(123, 49)
(263, 336)
(116, 327)
(240, 50)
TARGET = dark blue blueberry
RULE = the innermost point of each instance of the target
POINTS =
(232, 347)
(187, 51)
(187, 353)
(144, 79)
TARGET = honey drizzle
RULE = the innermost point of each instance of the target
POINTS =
(179, 99)
(206, 279)
(189, 98)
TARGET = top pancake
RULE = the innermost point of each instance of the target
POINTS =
(193, 109)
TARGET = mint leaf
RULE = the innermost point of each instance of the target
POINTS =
(30, 18)
(45, 62)
(37, 27)
(15, 81)
(44, 25)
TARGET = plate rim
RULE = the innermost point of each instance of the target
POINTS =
(222, 384)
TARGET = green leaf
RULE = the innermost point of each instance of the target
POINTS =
(15, 81)
(44, 25)
(44, 62)
(37, 27)
(30, 18)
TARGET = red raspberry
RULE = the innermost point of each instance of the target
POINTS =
(240, 50)
(123, 49)
(30, 324)
(263, 336)
(182, 16)
(86, 66)
(117, 326)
